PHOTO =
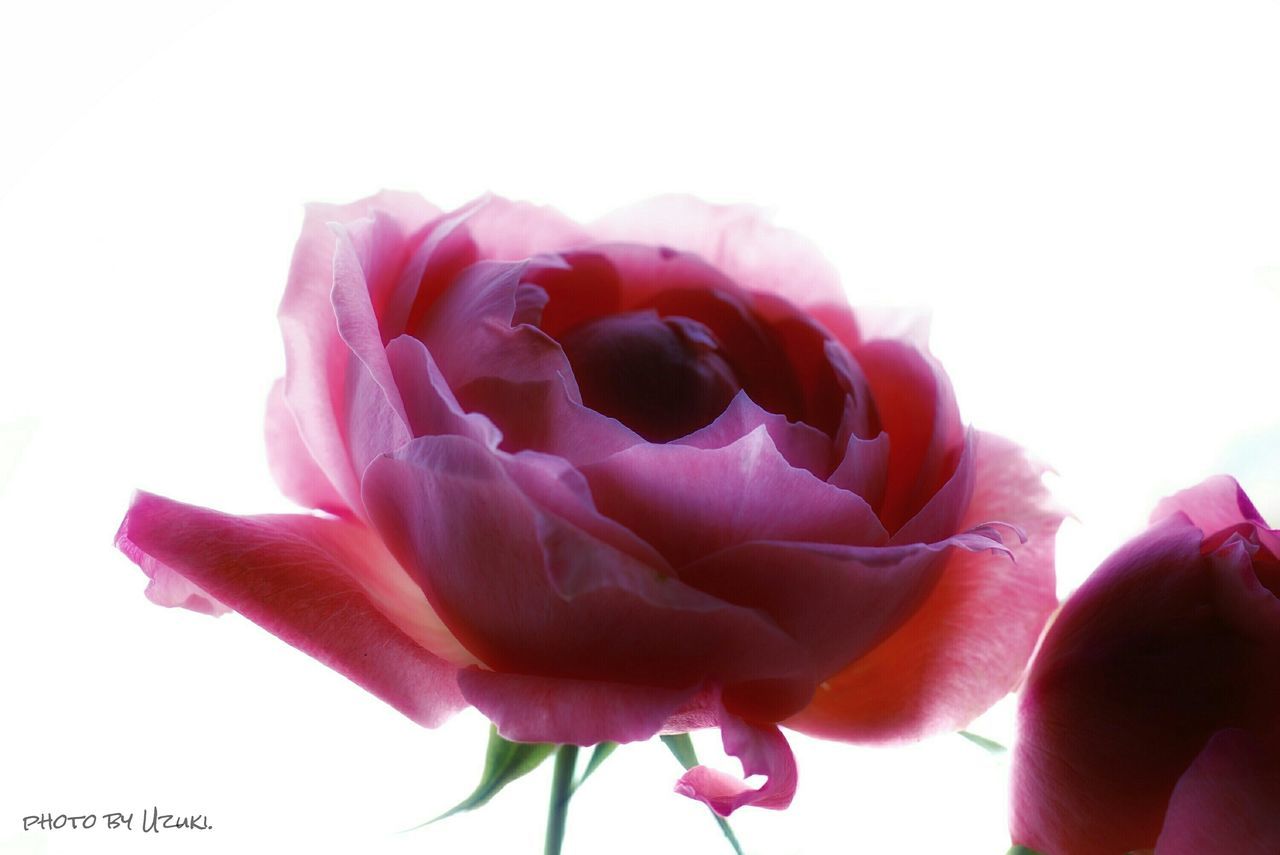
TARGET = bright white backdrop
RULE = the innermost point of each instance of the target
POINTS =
(1087, 195)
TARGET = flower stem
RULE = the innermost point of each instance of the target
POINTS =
(561, 790)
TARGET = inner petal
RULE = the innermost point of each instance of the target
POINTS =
(663, 377)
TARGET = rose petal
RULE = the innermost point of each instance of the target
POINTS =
(943, 511)
(917, 409)
(315, 356)
(565, 604)
(483, 301)
(294, 469)
(429, 404)
(569, 712)
(738, 240)
(510, 231)
(966, 645)
(864, 468)
(763, 750)
(302, 579)
(545, 416)
(800, 445)
(690, 502)
(838, 602)
(1227, 801)
(1212, 505)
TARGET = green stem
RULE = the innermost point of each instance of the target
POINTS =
(561, 790)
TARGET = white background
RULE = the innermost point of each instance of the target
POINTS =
(1086, 194)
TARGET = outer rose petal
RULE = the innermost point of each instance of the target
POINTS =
(1212, 505)
(509, 231)
(295, 470)
(737, 239)
(566, 602)
(1228, 801)
(316, 358)
(966, 646)
(839, 602)
(569, 712)
(299, 578)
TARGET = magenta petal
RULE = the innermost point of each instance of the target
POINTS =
(1212, 505)
(837, 601)
(167, 588)
(301, 579)
(690, 502)
(1228, 801)
(763, 750)
(295, 470)
(739, 240)
(863, 468)
(546, 416)
(473, 332)
(802, 446)
(569, 712)
(316, 358)
(567, 603)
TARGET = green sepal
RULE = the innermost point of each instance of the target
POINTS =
(504, 761)
(598, 756)
(1022, 850)
(988, 745)
(682, 747)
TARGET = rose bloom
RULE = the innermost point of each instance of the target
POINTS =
(1151, 716)
(608, 481)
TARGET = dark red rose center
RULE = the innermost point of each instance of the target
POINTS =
(663, 377)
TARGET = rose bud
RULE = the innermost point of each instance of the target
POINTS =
(1151, 714)
(609, 481)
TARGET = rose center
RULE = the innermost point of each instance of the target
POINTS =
(661, 377)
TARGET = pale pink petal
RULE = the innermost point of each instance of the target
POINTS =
(762, 750)
(690, 502)
(968, 642)
(1214, 504)
(309, 581)
(509, 231)
(291, 464)
(374, 425)
(910, 326)
(738, 240)
(569, 712)
(430, 406)
(1228, 801)
(316, 358)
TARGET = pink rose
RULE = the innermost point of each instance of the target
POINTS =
(607, 481)
(1151, 716)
